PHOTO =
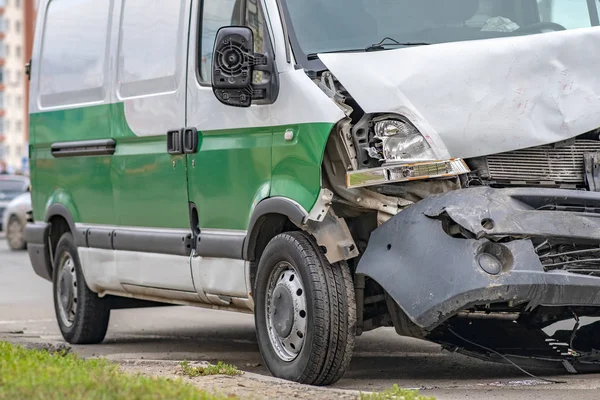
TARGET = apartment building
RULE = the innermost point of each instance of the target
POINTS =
(17, 20)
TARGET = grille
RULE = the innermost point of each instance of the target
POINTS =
(543, 164)
(583, 260)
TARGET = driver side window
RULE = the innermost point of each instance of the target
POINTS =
(216, 14)
(572, 14)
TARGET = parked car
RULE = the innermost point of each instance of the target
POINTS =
(11, 186)
(15, 219)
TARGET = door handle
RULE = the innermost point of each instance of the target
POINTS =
(182, 141)
(175, 142)
(190, 140)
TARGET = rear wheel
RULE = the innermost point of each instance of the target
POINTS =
(82, 315)
(15, 234)
(305, 311)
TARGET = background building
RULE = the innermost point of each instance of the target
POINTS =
(17, 20)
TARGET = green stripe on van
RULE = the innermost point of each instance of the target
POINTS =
(142, 185)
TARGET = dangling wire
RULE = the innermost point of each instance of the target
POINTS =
(574, 333)
(504, 357)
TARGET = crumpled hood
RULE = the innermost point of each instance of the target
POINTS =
(483, 97)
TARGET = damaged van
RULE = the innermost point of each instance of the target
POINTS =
(331, 166)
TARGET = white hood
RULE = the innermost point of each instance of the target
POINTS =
(483, 97)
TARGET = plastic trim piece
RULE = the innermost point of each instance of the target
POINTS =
(273, 205)
(84, 148)
(221, 244)
(36, 233)
(170, 243)
(37, 248)
(59, 210)
(100, 238)
(138, 240)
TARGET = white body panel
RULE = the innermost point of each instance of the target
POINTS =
(221, 277)
(483, 97)
(154, 95)
(154, 270)
(299, 101)
(87, 83)
(100, 269)
(219, 282)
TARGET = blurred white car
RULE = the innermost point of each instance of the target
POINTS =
(14, 216)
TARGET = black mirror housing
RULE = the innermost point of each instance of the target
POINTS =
(233, 66)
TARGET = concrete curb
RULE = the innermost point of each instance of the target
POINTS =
(248, 375)
(36, 343)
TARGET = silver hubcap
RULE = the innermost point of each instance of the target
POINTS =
(286, 311)
(14, 234)
(67, 290)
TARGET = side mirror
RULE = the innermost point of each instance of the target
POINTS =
(233, 67)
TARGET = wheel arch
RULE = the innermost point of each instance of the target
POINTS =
(58, 211)
(267, 215)
(61, 220)
(42, 239)
(277, 215)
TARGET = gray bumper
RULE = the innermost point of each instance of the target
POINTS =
(432, 275)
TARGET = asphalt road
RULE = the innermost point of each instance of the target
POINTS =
(180, 333)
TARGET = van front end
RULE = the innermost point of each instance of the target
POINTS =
(502, 258)
(467, 173)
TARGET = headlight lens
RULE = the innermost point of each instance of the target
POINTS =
(402, 142)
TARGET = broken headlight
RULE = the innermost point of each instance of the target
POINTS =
(401, 142)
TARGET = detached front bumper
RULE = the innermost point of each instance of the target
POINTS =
(433, 275)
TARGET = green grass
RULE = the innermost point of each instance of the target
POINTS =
(37, 375)
(395, 393)
(219, 369)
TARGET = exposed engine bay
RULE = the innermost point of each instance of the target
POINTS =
(378, 165)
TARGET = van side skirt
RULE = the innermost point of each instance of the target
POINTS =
(210, 243)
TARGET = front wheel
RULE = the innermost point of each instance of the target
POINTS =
(82, 315)
(305, 311)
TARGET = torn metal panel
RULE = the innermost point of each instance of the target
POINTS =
(433, 276)
(333, 234)
(321, 207)
(476, 98)
(520, 212)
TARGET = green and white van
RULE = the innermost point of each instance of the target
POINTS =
(331, 166)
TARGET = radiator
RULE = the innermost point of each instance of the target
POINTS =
(542, 164)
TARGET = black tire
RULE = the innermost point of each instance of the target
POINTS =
(90, 317)
(15, 234)
(330, 315)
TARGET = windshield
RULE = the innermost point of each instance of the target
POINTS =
(353, 25)
(12, 187)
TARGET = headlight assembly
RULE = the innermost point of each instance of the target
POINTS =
(404, 155)
(402, 142)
